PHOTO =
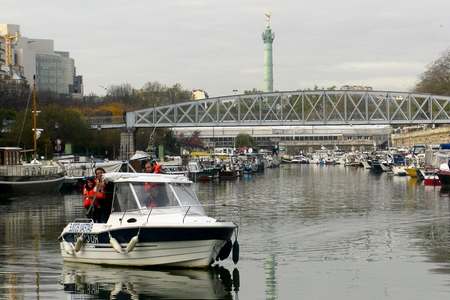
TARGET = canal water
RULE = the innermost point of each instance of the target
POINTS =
(306, 232)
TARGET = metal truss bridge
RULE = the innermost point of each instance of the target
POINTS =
(298, 108)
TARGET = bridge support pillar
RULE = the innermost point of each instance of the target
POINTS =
(127, 144)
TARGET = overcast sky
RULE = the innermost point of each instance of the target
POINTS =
(217, 45)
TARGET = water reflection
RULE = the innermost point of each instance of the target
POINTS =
(270, 266)
(130, 283)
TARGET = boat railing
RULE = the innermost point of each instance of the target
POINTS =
(29, 170)
(83, 220)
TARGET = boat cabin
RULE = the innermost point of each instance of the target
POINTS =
(141, 193)
(10, 156)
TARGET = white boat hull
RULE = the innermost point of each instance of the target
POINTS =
(189, 254)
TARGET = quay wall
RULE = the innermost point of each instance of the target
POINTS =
(426, 136)
(294, 147)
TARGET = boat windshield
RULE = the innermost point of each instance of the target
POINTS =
(163, 195)
(123, 198)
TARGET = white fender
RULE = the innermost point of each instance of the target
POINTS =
(115, 244)
(132, 243)
(79, 243)
(68, 247)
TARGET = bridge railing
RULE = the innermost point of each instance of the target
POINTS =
(106, 121)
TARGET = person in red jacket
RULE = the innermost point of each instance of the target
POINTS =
(91, 200)
(152, 166)
(88, 193)
(156, 167)
(103, 197)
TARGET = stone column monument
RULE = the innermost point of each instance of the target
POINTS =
(268, 37)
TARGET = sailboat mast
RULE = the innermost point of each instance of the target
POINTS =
(33, 114)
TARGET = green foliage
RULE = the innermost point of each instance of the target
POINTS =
(171, 144)
(436, 79)
(56, 122)
(244, 140)
(6, 117)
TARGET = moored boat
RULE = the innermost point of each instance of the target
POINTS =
(366, 164)
(430, 177)
(399, 171)
(411, 171)
(36, 177)
(228, 171)
(19, 177)
(444, 177)
(197, 172)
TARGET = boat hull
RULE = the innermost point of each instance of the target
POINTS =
(188, 254)
(224, 175)
(31, 185)
(444, 177)
(190, 247)
(376, 167)
(432, 181)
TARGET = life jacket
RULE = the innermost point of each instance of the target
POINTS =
(93, 195)
(157, 168)
(148, 186)
(88, 197)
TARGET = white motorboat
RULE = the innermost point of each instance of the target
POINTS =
(366, 164)
(399, 171)
(156, 219)
(78, 168)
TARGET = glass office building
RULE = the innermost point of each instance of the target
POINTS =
(55, 72)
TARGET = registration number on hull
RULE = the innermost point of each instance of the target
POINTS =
(80, 227)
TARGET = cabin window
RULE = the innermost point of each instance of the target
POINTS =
(123, 198)
(154, 194)
(187, 197)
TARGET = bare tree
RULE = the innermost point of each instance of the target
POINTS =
(436, 79)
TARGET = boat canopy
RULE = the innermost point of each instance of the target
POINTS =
(137, 191)
(117, 177)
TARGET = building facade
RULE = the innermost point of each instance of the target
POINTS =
(2, 52)
(54, 70)
(297, 138)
